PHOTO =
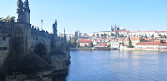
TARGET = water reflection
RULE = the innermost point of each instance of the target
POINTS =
(118, 66)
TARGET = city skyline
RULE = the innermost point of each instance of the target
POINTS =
(93, 16)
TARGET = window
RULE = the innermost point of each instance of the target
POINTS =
(4, 38)
(3, 48)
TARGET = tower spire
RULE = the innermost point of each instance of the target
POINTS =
(20, 11)
(26, 5)
(26, 12)
(115, 27)
(19, 4)
(64, 34)
(55, 22)
(55, 28)
(112, 29)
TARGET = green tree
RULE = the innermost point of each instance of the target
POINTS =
(121, 36)
(130, 44)
(97, 35)
(73, 42)
(112, 34)
(109, 45)
(91, 45)
(105, 35)
(152, 36)
(85, 45)
(8, 19)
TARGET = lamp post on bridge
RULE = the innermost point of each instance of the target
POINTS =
(41, 24)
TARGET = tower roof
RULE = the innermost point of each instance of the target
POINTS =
(56, 22)
(19, 6)
(64, 30)
(26, 5)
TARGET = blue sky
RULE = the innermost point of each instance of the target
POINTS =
(94, 15)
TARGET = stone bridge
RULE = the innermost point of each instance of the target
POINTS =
(24, 50)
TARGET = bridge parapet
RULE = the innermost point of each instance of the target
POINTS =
(37, 33)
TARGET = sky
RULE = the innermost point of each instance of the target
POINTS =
(93, 15)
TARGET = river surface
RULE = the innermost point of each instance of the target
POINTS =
(118, 66)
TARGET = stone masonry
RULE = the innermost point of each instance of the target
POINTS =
(28, 54)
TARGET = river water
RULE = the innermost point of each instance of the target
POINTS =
(118, 66)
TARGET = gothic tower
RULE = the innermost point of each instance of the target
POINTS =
(115, 27)
(26, 12)
(20, 11)
(112, 28)
(55, 28)
(118, 28)
(64, 34)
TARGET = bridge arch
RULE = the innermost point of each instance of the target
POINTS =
(40, 50)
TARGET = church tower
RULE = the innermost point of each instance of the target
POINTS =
(55, 28)
(112, 28)
(20, 11)
(115, 27)
(64, 34)
(26, 12)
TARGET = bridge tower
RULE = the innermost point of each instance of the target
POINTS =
(23, 12)
(21, 31)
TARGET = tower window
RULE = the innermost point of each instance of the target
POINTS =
(4, 38)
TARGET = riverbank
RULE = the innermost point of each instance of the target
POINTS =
(83, 48)
(127, 49)
(141, 49)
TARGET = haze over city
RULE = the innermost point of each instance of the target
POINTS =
(94, 15)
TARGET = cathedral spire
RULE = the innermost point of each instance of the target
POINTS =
(112, 29)
(115, 27)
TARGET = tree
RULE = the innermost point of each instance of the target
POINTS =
(72, 42)
(112, 34)
(121, 36)
(8, 19)
(97, 35)
(105, 35)
(12, 19)
(101, 35)
(85, 45)
(91, 45)
(109, 45)
(152, 36)
(130, 44)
